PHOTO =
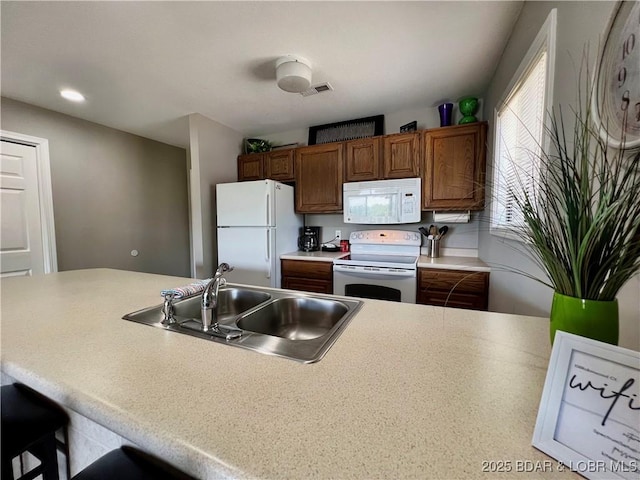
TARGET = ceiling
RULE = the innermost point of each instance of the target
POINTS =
(144, 66)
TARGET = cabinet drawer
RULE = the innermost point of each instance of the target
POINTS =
(307, 285)
(442, 298)
(458, 280)
(307, 269)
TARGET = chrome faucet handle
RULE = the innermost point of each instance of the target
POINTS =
(168, 309)
(223, 267)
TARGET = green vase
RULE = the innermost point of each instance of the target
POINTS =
(468, 107)
(596, 319)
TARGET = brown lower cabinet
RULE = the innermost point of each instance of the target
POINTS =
(308, 276)
(453, 288)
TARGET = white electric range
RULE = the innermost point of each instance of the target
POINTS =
(382, 265)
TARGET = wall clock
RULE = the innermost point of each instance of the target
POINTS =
(616, 102)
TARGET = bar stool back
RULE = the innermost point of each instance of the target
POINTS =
(127, 463)
(29, 424)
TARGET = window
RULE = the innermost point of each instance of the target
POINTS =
(520, 132)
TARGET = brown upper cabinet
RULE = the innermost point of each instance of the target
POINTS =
(362, 159)
(318, 173)
(377, 158)
(454, 167)
(279, 165)
(401, 155)
(276, 165)
(450, 160)
(251, 167)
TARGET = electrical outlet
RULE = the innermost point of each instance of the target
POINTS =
(338, 234)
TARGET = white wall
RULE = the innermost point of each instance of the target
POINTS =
(426, 118)
(579, 25)
(459, 236)
(213, 152)
(113, 192)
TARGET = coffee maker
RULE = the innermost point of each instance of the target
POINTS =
(309, 239)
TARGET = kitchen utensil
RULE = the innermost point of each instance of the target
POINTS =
(330, 247)
(433, 230)
(423, 231)
(443, 230)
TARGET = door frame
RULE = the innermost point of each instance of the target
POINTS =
(45, 194)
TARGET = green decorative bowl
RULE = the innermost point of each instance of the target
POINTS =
(467, 119)
(468, 107)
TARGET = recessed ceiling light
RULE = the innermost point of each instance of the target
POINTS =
(72, 95)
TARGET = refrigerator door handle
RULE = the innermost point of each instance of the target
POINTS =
(268, 254)
(268, 210)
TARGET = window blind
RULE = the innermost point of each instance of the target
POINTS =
(520, 123)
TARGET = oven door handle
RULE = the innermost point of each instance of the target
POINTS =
(383, 272)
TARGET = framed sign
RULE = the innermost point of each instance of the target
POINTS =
(589, 416)
(409, 127)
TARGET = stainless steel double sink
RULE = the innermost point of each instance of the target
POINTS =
(298, 326)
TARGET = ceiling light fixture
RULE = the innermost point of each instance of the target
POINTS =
(72, 95)
(293, 73)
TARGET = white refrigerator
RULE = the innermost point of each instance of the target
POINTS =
(256, 224)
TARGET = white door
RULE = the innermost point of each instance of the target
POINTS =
(21, 247)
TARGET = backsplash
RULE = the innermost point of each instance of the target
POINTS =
(459, 236)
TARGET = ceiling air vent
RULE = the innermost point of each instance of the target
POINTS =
(321, 87)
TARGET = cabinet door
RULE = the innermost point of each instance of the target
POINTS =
(401, 157)
(308, 276)
(362, 159)
(279, 165)
(453, 288)
(318, 173)
(251, 167)
(454, 168)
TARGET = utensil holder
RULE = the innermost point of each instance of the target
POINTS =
(433, 247)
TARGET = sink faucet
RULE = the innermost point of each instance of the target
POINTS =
(210, 298)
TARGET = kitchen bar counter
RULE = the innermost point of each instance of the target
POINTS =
(407, 391)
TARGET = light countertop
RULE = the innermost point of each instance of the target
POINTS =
(453, 263)
(406, 392)
(313, 256)
(444, 262)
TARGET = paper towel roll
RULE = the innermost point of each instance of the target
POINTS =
(451, 217)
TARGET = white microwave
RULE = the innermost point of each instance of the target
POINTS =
(382, 201)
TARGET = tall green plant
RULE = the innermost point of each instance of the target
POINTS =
(582, 222)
